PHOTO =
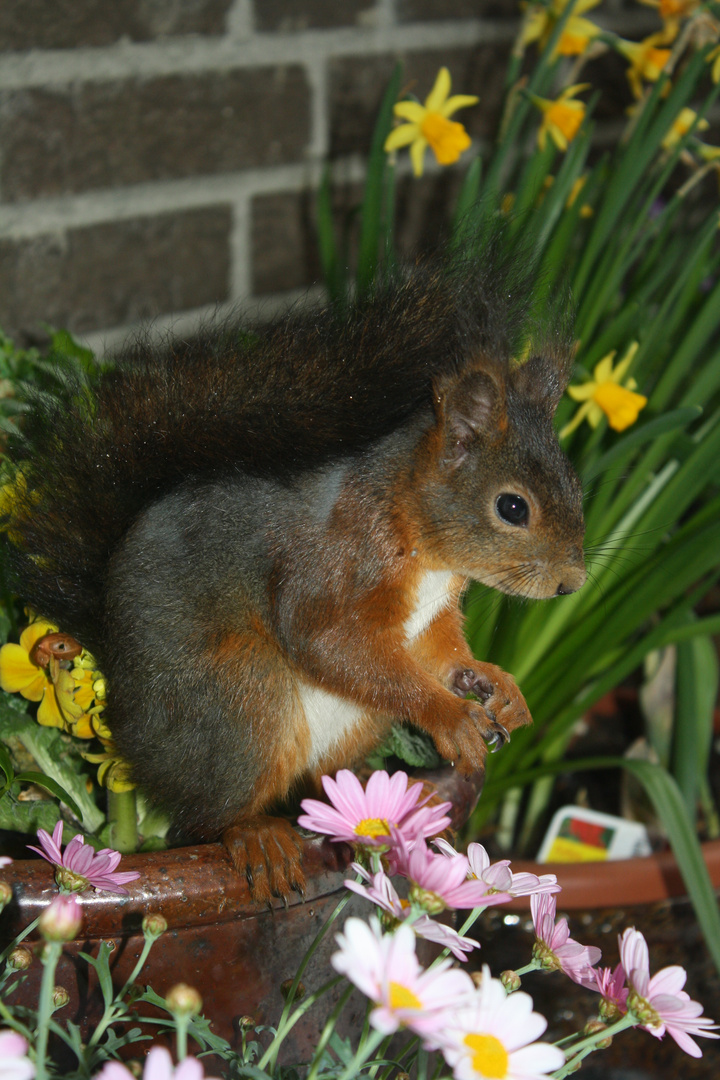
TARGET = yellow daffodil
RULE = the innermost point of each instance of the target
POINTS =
(605, 395)
(67, 697)
(647, 60)
(576, 34)
(20, 674)
(561, 118)
(429, 125)
(681, 125)
(672, 12)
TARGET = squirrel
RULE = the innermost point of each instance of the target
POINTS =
(263, 536)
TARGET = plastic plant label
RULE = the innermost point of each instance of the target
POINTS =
(579, 835)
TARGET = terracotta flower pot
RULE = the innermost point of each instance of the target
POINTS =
(236, 954)
(622, 882)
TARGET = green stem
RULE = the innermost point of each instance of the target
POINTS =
(122, 812)
(51, 955)
(532, 966)
(576, 1054)
(308, 955)
(285, 1026)
(365, 1050)
(327, 1032)
(147, 946)
(13, 1023)
(182, 1021)
(21, 937)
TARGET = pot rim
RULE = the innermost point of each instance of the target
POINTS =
(617, 883)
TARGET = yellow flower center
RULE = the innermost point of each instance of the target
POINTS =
(447, 138)
(572, 43)
(653, 61)
(372, 827)
(567, 116)
(621, 406)
(402, 998)
(489, 1058)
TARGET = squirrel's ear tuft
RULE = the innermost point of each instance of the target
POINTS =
(471, 406)
(542, 378)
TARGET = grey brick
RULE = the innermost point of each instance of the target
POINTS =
(110, 274)
(69, 24)
(99, 135)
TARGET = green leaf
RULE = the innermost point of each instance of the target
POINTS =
(410, 745)
(29, 816)
(696, 694)
(374, 230)
(101, 963)
(50, 785)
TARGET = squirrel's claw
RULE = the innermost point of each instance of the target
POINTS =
(498, 737)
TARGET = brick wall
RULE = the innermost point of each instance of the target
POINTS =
(158, 157)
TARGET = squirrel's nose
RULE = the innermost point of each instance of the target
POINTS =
(572, 580)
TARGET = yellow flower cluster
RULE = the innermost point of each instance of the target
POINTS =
(575, 36)
(53, 669)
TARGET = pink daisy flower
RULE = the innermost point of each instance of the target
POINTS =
(14, 1062)
(364, 816)
(158, 1066)
(555, 950)
(611, 984)
(498, 876)
(494, 1036)
(660, 1003)
(80, 867)
(388, 972)
(380, 890)
(5, 860)
(438, 882)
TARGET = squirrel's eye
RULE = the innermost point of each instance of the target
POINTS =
(512, 509)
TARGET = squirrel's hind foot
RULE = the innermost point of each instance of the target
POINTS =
(268, 852)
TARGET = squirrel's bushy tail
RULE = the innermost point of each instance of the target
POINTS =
(273, 401)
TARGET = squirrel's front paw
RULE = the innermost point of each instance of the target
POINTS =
(498, 694)
(267, 851)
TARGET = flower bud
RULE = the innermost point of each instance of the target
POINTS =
(246, 1023)
(62, 918)
(60, 997)
(511, 981)
(285, 989)
(154, 924)
(5, 894)
(184, 999)
(594, 1027)
(20, 958)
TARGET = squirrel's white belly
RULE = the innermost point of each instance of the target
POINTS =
(433, 595)
(329, 718)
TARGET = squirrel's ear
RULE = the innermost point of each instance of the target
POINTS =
(542, 378)
(471, 406)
